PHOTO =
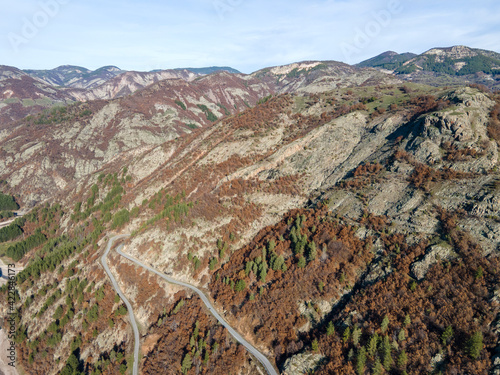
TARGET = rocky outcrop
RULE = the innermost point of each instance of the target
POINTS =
(434, 254)
(301, 363)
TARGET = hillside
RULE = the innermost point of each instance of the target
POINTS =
(75, 76)
(389, 60)
(341, 219)
(22, 95)
(211, 69)
(443, 66)
(59, 141)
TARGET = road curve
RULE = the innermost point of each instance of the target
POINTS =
(19, 214)
(104, 262)
(255, 352)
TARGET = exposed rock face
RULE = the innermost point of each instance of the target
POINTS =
(435, 254)
(22, 95)
(76, 76)
(455, 52)
(77, 147)
(375, 174)
(128, 83)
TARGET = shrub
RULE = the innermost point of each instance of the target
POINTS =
(17, 251)
(122, 310)
(210, 116)
(7, 202)
(240, 286)
(10, 232)
(121, 218)
(475, 345)
(180, 104)
(494, 124)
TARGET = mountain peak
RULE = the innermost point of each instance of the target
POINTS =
(387, 60)
(455, 52)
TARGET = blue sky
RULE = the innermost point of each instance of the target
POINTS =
(245, 34)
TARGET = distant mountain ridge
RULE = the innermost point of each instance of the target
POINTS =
(442, 66)
(458, 60)
(30, 91)
(211, 69)
(76, 76)
(389, 60)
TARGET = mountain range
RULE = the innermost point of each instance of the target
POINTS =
(343, 219)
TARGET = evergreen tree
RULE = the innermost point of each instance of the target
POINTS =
(361, 361)
(10, 232)
(402, 360)
(377, 367)
(271, 245)
(302, 262)
(401, 335)
(475, 345)
(356, 335)
(372, 345)
(187, 363)
(386, 353)
(447, 335)
(315, 345)
(240, 286)
(330, 329)
(311, 251)
(7, 203)
(263, 272)
(407, 320)
(347, 334)
(385, 324)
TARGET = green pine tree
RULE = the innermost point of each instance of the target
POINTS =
(330, 329)
(402, 360)
(447, 335)
(385, 324)
(187, 363)
(361, 361)
(475, 345)
(347, 334)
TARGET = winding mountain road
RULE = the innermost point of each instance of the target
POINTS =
(255, 352)
(18, 214)
(104, 261)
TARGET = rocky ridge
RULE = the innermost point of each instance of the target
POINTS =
(394, 183)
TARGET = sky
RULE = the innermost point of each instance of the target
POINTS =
(247, 35)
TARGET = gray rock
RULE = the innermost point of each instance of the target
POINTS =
(299, 364)
(435, 254)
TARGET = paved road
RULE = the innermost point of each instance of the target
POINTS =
(18, 214)
(256, 353)
(104, 262)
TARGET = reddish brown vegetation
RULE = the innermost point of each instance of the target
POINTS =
(484, 89)
(426, 103)
(281, 185)
(424, 176)
(494, 124)
(364, 175)
(371, 221)
(378, 112)
(211, 340)
(452, 294)
(274, 314)
(454, 154)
